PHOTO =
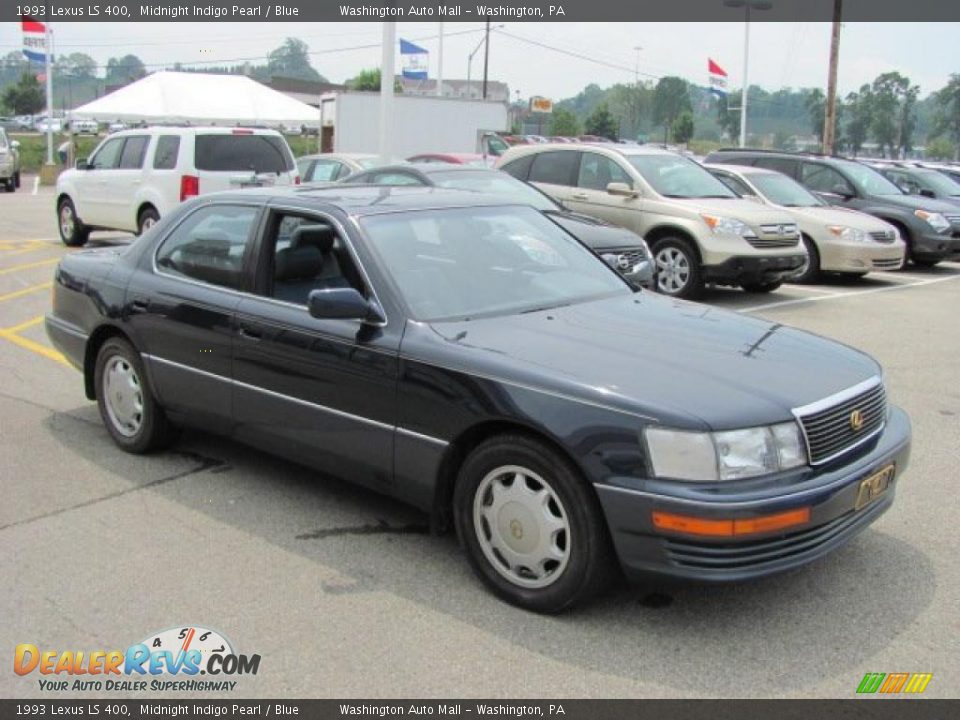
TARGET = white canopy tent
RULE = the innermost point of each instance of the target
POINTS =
(199, 99)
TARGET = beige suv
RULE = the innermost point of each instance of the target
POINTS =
(698, 229)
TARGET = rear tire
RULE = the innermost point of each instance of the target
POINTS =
(761, 287)
(132, 416)
(811, 273)
(148, 218)
(678, 268)
(533, 530)
(72, 232)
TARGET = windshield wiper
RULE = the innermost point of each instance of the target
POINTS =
(544, 307)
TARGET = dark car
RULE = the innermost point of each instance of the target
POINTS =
(469, 357)
(624, 250)
(924, 181)
(931, 228)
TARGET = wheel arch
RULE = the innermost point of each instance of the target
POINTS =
(441, 518)
(145, 204)
(94, 343)
(660, 232)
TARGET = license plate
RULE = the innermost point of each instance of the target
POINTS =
(874, 486)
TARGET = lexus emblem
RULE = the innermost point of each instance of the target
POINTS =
(856, 420)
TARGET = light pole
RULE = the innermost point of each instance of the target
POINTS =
(387, 59)
(747, 6)
(474, 52)
(636, 68)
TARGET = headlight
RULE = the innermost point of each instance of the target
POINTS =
(729, 455)
(849, 234)
(934, 219)
(727, 226)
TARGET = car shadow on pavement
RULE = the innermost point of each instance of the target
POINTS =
(727, 640)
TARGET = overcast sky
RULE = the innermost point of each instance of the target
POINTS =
(781, 54)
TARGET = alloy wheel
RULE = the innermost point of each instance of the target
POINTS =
(123, 395)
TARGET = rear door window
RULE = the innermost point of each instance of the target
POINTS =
(821, 178)
(558, 167)
(236, 153)
(168, 147)
(131, 158)
(783, 165)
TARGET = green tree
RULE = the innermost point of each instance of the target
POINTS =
(892, 119)
(729, 120)
(816, 104)
(79, 65)
(940, 148)
(946, 119)
(564, 123)
(670, 99)
(26, 97)
(858, 112)
(124, 70)
(631, 104)
(292, 60)
(682, 128)
(601, 122)
(369, 80)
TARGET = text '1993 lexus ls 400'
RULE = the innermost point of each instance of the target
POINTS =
(470, 357)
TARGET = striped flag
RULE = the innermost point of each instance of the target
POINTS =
(717, 79)
(35, 40)
(414, 59)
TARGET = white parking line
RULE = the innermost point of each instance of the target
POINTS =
(818, 290)
(854, 293)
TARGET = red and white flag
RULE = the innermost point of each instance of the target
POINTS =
(35, 40)
(717, 78)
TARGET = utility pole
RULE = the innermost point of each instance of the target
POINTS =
(830, 110)
(387, 59)
(486, 58)
(440, 65)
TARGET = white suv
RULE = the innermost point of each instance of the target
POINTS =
(135, 177)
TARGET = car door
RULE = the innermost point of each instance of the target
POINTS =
(321, 391)
(122, 183)
(555, 172)
(90, 185)
(181, 306)
(590, 196)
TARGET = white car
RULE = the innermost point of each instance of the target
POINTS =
(84, 127)
(45, 124)
(135, 177)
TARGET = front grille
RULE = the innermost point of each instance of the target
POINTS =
(884, 236)
(953, 219)
(730, 556)
(776, 236)
(779, 243)
(830, 432)
(627, 259)
(887, 264)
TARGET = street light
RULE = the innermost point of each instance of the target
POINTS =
(636, 68)
(747, 6)
(475, 51)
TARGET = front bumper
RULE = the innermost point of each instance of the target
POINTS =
(860, 257)
(755, 268)
(937, 246)
(644, 550)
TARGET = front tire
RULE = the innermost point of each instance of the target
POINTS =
(16, 179)
(132, 416)
(811, 271)
(532, 529)
(9, 185)
(678, 268)
(72, 232)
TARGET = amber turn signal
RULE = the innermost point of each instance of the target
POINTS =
(730, 528)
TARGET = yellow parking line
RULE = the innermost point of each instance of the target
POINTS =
(22, 326)
(25, 291)
(27, 266)
(34, 347)
(32, 248)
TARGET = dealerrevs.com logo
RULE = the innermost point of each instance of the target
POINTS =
(171, 661)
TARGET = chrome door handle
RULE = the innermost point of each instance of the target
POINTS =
(579, 196)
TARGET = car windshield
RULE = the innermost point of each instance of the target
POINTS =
(466, 263)
(677, 177)
(867, 180)
(940, 183)
(784, 191)
(494, 181)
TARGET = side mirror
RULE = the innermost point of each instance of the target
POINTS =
(842, 191)
(621, 189)
(82, 164)
(343, 304)
(928, 193)
(15, 144)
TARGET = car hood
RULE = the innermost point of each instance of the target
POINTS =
(683, 364)
(744, 210)
(839, 216)
(596, 235)
(915, 202)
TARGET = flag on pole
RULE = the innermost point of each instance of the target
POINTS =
(35, 40)
(717, 78)
(414, 60)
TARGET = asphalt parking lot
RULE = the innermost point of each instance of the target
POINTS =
(342, 593)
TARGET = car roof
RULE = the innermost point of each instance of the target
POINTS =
(361, 200)
(741, 169)
(624, 150)
(185, 129)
